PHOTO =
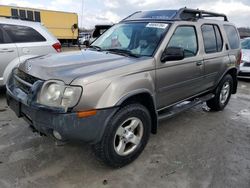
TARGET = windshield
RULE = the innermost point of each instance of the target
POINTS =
(138, 39)
(245, 44)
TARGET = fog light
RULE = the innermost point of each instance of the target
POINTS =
(57, 135)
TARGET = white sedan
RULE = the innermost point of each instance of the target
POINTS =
(245, 62)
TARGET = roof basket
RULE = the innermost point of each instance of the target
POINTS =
(181, 14)
(187, 14)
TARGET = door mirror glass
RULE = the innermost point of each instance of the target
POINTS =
(172, 54)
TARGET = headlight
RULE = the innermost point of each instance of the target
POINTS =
(56, 94)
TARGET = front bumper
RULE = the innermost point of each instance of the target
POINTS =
(46, 120)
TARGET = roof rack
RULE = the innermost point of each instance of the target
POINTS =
(186, 13)
(173, 15)
(17, 18)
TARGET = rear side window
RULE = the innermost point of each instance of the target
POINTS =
(22, 34)
(232, 36)
(185, 37)
(212, 38)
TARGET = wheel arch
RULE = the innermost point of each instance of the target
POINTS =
(146, 99)
(233, 72)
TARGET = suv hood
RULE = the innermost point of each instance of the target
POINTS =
(70, 65)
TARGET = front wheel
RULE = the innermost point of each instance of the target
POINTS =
(222, 94)
(125, 137)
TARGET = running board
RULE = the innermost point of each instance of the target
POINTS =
(178, 108)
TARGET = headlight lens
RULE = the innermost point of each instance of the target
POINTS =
(57, 94)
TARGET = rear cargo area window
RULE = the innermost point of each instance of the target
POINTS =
(232, 36)
(22, 34)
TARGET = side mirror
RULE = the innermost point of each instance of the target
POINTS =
(172, 54)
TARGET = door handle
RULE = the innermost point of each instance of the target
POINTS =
(6, 50)
(199, 63)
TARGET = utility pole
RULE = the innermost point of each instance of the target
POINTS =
(82, 14)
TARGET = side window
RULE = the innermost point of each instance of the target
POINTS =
(186, 38)
(212, 38)
(22, 13)
(218, 38)
(37, 16)
(22, 34)
(1, 36)
(14, 12)
(232, 36)
(30, 15)
(209, 38)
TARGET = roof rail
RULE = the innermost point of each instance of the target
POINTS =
(17, 18)
(171, 15)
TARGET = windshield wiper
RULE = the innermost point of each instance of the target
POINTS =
(98, 48)
(122, 52)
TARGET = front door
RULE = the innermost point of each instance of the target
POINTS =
(178, 80)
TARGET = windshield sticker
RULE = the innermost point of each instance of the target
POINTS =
(157, 25)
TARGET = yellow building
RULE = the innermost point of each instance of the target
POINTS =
(63, 25)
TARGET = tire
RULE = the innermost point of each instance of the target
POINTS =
(111, 149)
(222, 94)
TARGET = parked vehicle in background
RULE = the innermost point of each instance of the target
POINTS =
(245, 63)
(63, 25)
(150, 66)
(84, 38)
(21, 40)
(98, 31)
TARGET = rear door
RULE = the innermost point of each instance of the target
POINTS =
(8, 51)
(28, 40)
(215, 54)
(178, 80)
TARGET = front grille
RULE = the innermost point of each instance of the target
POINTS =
(23, 80)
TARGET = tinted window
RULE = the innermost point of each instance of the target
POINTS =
(37, 17)
(185, 37)
(209, 38)
(218, 38)
(20, 34)
(30, 15)
(22, 13)
(232, 36)
(14, 12)
(1, 37)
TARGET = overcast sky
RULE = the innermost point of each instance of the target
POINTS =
(111, 11)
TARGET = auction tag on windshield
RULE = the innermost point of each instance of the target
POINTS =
(157, 25)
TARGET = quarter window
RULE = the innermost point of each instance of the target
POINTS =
(212, 38)
(232, 36)
(185, 37)
(22, 34)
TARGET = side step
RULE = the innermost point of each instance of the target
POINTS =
(178, 108)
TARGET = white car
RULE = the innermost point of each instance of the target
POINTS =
(245, 62)
(22, 40)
